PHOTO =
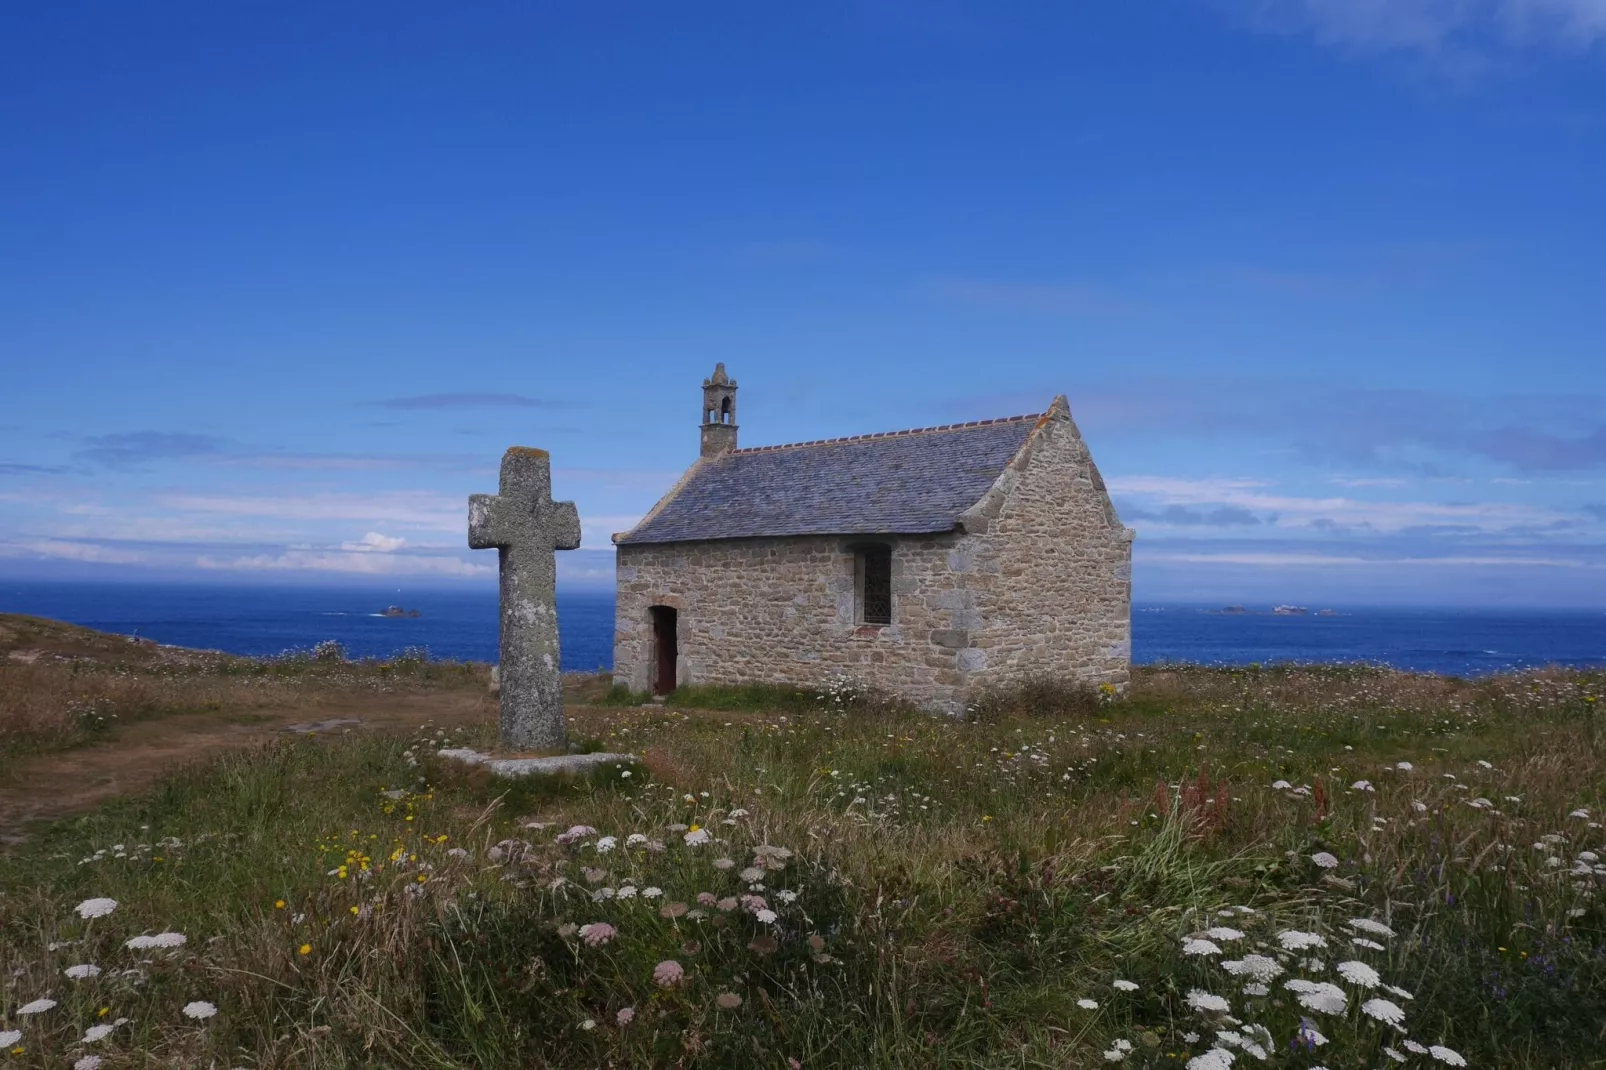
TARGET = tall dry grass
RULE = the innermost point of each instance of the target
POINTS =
(952, 893)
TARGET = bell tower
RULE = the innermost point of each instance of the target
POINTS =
(719, 413)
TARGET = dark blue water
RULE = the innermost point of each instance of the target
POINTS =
(462, 625)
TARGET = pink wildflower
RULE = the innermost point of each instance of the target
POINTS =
(707, 899)
(667, 972)
(627, 1015)
(597, 933)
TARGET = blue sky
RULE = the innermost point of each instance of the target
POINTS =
(1323, 280)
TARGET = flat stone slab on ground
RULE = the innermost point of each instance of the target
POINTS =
(562, 763)
(314, 727)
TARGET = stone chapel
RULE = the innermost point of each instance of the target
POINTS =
(932, 563)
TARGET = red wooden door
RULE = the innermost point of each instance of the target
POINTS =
(666, 648)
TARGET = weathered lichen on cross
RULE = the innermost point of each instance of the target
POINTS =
(525, 525)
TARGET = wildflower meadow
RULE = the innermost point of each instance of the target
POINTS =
(1280, 867)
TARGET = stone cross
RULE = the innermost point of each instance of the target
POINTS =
(526, 526)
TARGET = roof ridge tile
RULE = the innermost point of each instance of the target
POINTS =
(886, 434)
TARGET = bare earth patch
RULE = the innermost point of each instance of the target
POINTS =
(136, 756)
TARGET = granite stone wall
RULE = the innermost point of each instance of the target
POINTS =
(1035, 583)
(1049, 586)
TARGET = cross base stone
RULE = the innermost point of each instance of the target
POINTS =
(516, 767)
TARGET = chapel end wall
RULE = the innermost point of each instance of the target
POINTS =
(1052, 574)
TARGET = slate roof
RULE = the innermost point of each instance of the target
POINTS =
(897, 482)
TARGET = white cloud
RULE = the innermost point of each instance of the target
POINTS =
(364, 563)
(1434, 26)
(596, 532)
(374, 542)
(1367, 481)
(72, 551)
(1302, 560)
(1292, 511)
(414, 508)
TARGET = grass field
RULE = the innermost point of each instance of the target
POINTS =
(1279, 867)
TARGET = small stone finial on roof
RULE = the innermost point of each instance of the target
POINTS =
(719, 378)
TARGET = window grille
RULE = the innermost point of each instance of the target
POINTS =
(875, 585)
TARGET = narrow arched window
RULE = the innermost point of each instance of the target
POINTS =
(725, 411)
(873, 583)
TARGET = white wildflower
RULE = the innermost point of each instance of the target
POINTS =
(1190, 1037)
(1446, 1055)
(1362, 785)
(1124, 986)
(1325, 859)
(95, 908)
(1207, 1003)
(1255, 988)
(1419, 806)
(606, 844)
(765, 915)
(86, 1062)
(651, 892)
(9, 1037)
(1384, 1011)
(142, 943)
(1367, 925)
(1320, 996)
(1295, 940)
(1404, 767)
(97, 1032)
(82, 970)
(1199, 947)
(1358, 973)
(1255, 967)
(698, 837)
(1088, 1004)
(786, 895)
(1397, 1056)
(1223, 933)
(1580, 812)
(1280, 785)
(635, 839)
(1371, 945)
(1214, 1059)
(38, 1006)
(199, 1009)
(1414, 1047)
(751, 874)
(1402, 993)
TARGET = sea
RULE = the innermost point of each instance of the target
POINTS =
(462, 625)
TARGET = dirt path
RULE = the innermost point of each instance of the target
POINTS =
(55, 785)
